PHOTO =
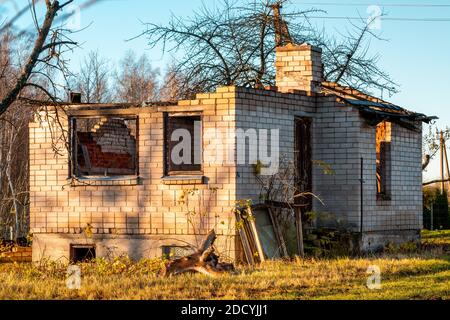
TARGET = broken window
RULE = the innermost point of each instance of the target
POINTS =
(183, 144)
(383, 159)
(104, 146)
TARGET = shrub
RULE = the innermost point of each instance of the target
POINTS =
(437, 203)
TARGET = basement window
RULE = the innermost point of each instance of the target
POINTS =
(82, 253)
(104, 147)
(182, 144)
(383, 160)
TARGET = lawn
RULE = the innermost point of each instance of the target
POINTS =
(423, 274)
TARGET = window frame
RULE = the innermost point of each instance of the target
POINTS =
(384, 192)
(73, 163)
(181, 173)
(91, 249)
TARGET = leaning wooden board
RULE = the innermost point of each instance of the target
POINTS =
(244, 239)
(255, 235)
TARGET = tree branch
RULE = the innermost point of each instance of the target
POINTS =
(11, 96)
(434, 181)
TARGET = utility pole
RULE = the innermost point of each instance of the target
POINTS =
(282, 35)
(446, 163)
(441, 145)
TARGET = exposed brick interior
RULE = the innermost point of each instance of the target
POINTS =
(383, 138)
(109, 147)
(114, 136)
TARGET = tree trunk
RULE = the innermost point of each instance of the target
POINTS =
(21, 81)
(11, 187)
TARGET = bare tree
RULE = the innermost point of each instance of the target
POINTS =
(45, 57)
(14, 171)
(13, 149)
(233, 43)
(28, 74)
(175, 86)
(431, 143)
(93, 80)
(136, 80)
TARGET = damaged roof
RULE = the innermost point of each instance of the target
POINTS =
(375, 110)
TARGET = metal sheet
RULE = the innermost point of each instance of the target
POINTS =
(266, 233)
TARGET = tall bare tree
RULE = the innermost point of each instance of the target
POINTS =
(93, 80)
(50, 39)
(28, 73)
(136, 80)
(233, 42)
(174, 85)
(13, 148)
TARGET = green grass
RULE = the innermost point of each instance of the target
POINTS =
(423, 274)
(438, 238)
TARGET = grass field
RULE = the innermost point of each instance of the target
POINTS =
(405, 274)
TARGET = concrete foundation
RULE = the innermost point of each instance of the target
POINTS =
(57, 246)
(376, 241)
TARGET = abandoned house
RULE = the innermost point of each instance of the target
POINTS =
(118, 190)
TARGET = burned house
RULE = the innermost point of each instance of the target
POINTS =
(118, 188)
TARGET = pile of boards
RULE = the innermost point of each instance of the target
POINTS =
(260, 233)
(261, 238)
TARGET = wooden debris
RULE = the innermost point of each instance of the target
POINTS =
(248, 251)
(249, 236)
(278, 233)
(299, 230)
(204, 260)
(297, 211)
(269, 231)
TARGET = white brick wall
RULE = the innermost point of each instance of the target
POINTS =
(340, 138)
(404, 210)
(131, 208)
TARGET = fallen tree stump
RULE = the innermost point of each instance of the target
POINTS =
(204, 260)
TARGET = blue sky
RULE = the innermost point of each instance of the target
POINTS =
(416, 54)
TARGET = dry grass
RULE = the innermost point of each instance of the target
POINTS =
(413, 275)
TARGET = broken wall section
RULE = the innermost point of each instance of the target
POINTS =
(105, 146)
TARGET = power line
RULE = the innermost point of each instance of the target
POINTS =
(417, 5)
(385, 19)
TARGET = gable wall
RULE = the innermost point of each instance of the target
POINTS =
(401, 216)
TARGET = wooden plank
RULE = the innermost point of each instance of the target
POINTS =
(245, 241)
(252, 225)
(87, 160)
(278, 233)
(299, 229)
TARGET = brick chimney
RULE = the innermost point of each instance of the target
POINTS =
(74, 97)
(299, 68)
